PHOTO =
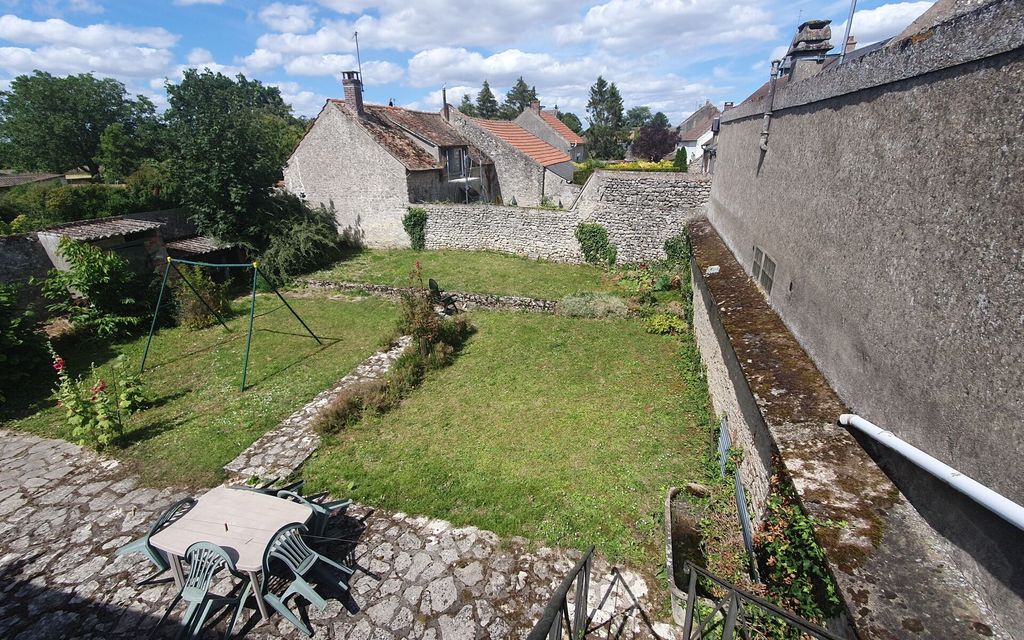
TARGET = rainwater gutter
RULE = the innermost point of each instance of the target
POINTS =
(995, 502)
(771, 103)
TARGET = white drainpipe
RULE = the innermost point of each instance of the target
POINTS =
(995, 502)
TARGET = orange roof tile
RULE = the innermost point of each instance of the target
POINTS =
(538, 150)
(560, 128)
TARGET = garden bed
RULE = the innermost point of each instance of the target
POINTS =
(198, 420)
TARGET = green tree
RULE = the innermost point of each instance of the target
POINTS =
(232, 138)
(570, 120)
(518, 99)
(639, 116)
(467, 107)
(660, 120)
(51, 123)
(680, 161)
(656, 140)
(604, 113)
(486, 104)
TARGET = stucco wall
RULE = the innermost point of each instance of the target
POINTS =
(890, 198)
(640, 211)
(339, 163)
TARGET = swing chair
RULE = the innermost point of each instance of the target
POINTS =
(171, 264)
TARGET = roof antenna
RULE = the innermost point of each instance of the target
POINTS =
(359, 61)
(846, 38)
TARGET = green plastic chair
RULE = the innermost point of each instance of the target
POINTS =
(143, 546)
(288, 546)
(322, 511)
(205, 561)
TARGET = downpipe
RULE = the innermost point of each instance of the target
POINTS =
(995, 502)
(776, 64)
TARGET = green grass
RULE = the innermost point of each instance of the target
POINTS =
(561, 430)
(478, 271)
(200, 420)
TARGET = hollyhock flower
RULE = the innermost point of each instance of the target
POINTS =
(100, 387)
(58, 364)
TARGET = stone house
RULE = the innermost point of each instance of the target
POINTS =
(695, 131)
(369, 162)
(528, 169)
(546, 126)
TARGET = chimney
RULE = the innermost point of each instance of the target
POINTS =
(535, 105)
(353, 85)
(728, 105)
(851, 44)
(808, 50)
(444, 101)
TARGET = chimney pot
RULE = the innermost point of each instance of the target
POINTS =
(728, 105)
(353, 86)
(851, 44)
(535, 105)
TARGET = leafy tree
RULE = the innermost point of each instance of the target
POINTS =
(655, 140)
(660, 120)
(232, 137)
(486, 104)
(467, 107)
(639, 116)
(518, 99)
(604, 113)
(51, 123)
(571, 120)
(680, 162)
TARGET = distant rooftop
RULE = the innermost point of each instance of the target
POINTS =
(14, 180)
(538, 150)
(560, 128)
(196, 245)
(101, 228)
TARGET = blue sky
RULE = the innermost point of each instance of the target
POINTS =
(669, 54)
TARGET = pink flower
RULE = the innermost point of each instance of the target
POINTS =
(418, 267)
(58, 364)
(99, 387)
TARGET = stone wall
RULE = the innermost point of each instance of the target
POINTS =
(900, 268)
(519, 177)
(640, 210)
(338, 164)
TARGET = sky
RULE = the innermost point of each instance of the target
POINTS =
(671, 55)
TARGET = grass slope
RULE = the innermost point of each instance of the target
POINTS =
(200, 420)
(479, 271)
(562, 430)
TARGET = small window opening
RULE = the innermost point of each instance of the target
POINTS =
(763, 270)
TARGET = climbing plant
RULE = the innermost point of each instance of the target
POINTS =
(593, 239)
(415, 223)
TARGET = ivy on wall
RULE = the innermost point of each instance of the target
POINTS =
(415, 224)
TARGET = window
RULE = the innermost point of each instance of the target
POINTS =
(456, 162)
(763, 270)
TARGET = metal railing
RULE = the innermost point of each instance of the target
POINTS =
(740, 614)
(556, 619)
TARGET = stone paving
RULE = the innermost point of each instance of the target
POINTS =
(64, 510)
(281, 451)
(464, 300)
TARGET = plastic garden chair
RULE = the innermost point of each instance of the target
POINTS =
(143, 546)
(322, 511)
(205, 560)
(288, 546)
(438, 296)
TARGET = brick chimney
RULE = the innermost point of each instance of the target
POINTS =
(728, 105)
(353, 85)
(851, 44)
(535, 105)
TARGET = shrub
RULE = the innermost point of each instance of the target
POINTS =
(593, 239)
(21, 345)
(114, 298)
(583, 170)
(591, 305)
(190, 312)
(643, 165)
(677, 248)
(415, 224)
(302, 239)
(96, 414)
(680, 161)
(666, 324)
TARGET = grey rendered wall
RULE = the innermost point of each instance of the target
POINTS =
(519, 177)
(337, 162)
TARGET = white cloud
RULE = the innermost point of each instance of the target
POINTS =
(288, 18)
(320, 65)
(128, 62)
(376, 72)
(58, 7)
(200, 58)
(460, 66)
(886, 21)
(303, 102)
(677, 24)
(261, 60)
(59, 32)
(330, 38)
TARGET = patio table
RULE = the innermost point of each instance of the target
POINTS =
(241, 522)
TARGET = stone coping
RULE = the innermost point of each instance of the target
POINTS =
(990, 30)
(464, 299)
(894, 573)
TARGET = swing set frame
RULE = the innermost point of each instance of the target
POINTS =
(172, 264)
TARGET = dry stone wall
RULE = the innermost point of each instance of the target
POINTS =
(640, 210)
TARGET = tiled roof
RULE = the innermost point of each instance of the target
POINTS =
(538, 150)
(560, 128)
(762, 91)
(25, 178)
(429, 126)
(196, 245)
(698, 128)
(392, 138)
(103, 228)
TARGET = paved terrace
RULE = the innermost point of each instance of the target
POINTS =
(64, 510)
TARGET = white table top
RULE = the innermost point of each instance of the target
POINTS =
(241, 522)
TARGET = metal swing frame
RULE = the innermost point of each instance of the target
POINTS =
(171, 264)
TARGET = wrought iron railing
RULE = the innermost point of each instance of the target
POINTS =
(739, 614)
(557, 619)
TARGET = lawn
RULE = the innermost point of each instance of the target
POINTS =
(561, 430)
(478, 271)
(199, 420)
